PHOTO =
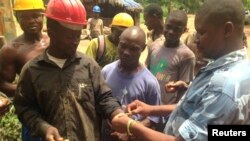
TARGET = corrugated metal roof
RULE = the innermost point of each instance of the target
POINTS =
(128, 4)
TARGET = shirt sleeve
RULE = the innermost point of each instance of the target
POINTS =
(187, 69)
(106, 104)
(27, 106)
(154, 98)
(214, 108)
(92, 48)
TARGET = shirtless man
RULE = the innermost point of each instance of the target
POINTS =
(26, 46)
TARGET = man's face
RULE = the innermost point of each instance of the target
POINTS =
(116, 33)
(129, 50)
(173, 30)
(31, 21)
(149, 21)
(66, 41)
(209, 38)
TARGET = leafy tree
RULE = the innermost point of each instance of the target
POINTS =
(187, 5)
(10, 127)
(246, 4)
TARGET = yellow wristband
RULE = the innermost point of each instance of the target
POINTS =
(120, 115)
(130, 124)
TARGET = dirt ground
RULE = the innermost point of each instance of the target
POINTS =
(83, 44)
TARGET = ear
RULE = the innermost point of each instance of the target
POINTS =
(228, 29)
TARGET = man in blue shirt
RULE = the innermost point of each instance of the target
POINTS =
(220, 92)
(130, 80)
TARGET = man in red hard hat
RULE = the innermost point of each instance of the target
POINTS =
(31, 43)
(61, 93)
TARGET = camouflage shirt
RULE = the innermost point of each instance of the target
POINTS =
(218, 95)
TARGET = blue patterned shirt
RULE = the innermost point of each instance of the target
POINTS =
(220, 94)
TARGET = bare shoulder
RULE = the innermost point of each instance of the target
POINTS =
(15, 43)
(7, 51)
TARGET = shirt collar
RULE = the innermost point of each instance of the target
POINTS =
(227, 59)
(44, 58)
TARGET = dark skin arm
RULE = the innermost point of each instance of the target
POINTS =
(172, 87)
(7, 71)
(138, 107)
(116, 112)
(139, 130)
(146, 122)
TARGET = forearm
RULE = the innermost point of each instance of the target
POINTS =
(162, 110)
(147, 134)
(31, 118)
(146, 122)
(116, 112)
(8, 88)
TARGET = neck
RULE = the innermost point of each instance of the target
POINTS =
(230, 46)
(33, 37)
(131, 69)
(111, 39)
(172, 44)
(53, 51)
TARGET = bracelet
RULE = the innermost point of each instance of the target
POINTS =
(130, 124)
(120, 115)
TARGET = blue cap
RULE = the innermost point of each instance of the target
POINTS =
(96, 9)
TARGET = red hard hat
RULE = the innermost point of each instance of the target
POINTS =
(68, 11)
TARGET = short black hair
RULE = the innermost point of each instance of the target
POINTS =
(221, 11)
(180, 15)
(154, 10)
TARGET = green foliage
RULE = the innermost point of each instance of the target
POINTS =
(188, 5)
(10, 127)
(246, 4)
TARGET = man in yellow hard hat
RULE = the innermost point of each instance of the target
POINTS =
(31, 43)
(61, 93)
(104, 48)
(14, 55)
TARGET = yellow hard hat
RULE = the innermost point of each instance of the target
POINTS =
(122, 19)
(28, 5)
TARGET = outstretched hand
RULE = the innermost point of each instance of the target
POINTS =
(172, 87)
(119, 123)
(138, 107)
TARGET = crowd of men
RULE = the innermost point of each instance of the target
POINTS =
(110, 93)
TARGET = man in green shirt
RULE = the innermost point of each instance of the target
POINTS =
(104, 48)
